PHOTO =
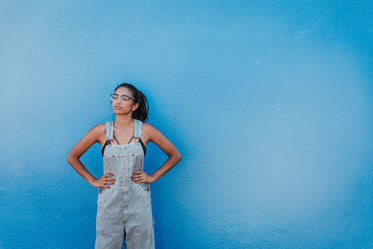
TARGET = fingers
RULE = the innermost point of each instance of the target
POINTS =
(109, 181)
(139, 177)
(104, 180)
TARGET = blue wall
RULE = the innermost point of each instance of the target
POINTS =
(269, 102)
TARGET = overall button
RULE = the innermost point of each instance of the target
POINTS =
(113, 155)
(133, 154)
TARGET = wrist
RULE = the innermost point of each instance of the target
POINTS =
(93, 182)
(153, 178)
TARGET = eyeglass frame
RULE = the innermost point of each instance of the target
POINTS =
(112, 96)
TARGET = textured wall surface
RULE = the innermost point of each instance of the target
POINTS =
(269, 102)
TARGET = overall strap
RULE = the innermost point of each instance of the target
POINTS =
(109, 130)
(137, 134)
(138, 128)
(109, 135)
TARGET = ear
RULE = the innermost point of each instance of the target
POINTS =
(135, 106)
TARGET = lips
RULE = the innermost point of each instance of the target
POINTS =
(117, 107)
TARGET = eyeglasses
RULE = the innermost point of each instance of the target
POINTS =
(123, 97)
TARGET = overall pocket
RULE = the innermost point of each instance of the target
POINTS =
(145, 186)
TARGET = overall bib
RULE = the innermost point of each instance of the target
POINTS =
(125, 208)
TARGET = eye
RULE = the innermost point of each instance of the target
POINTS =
(114, 96)
(125, 98)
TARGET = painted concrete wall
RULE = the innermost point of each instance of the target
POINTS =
(269, 102)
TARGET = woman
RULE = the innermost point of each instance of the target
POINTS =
(124, 204)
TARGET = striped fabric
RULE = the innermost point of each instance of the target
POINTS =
(125, 208)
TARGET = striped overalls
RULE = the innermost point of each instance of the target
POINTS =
(125, 208)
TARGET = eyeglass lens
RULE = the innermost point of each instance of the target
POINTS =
(123, 97)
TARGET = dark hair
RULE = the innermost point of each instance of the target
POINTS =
(141, 113)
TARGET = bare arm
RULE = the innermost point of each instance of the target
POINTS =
(174, 156)
(94, 135)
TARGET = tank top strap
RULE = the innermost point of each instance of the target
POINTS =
(138, 128)
(109, 130)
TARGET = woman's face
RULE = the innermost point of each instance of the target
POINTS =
(123, 101)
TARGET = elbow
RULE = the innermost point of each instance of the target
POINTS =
(178, 157)
(70, 158)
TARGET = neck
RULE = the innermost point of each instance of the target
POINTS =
(123, 121)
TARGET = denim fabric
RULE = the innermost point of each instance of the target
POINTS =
(125, 208)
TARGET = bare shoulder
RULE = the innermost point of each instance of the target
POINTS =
(148, 127)
(97, 133)
(99, 128)
(149, 132)
(152, 134)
